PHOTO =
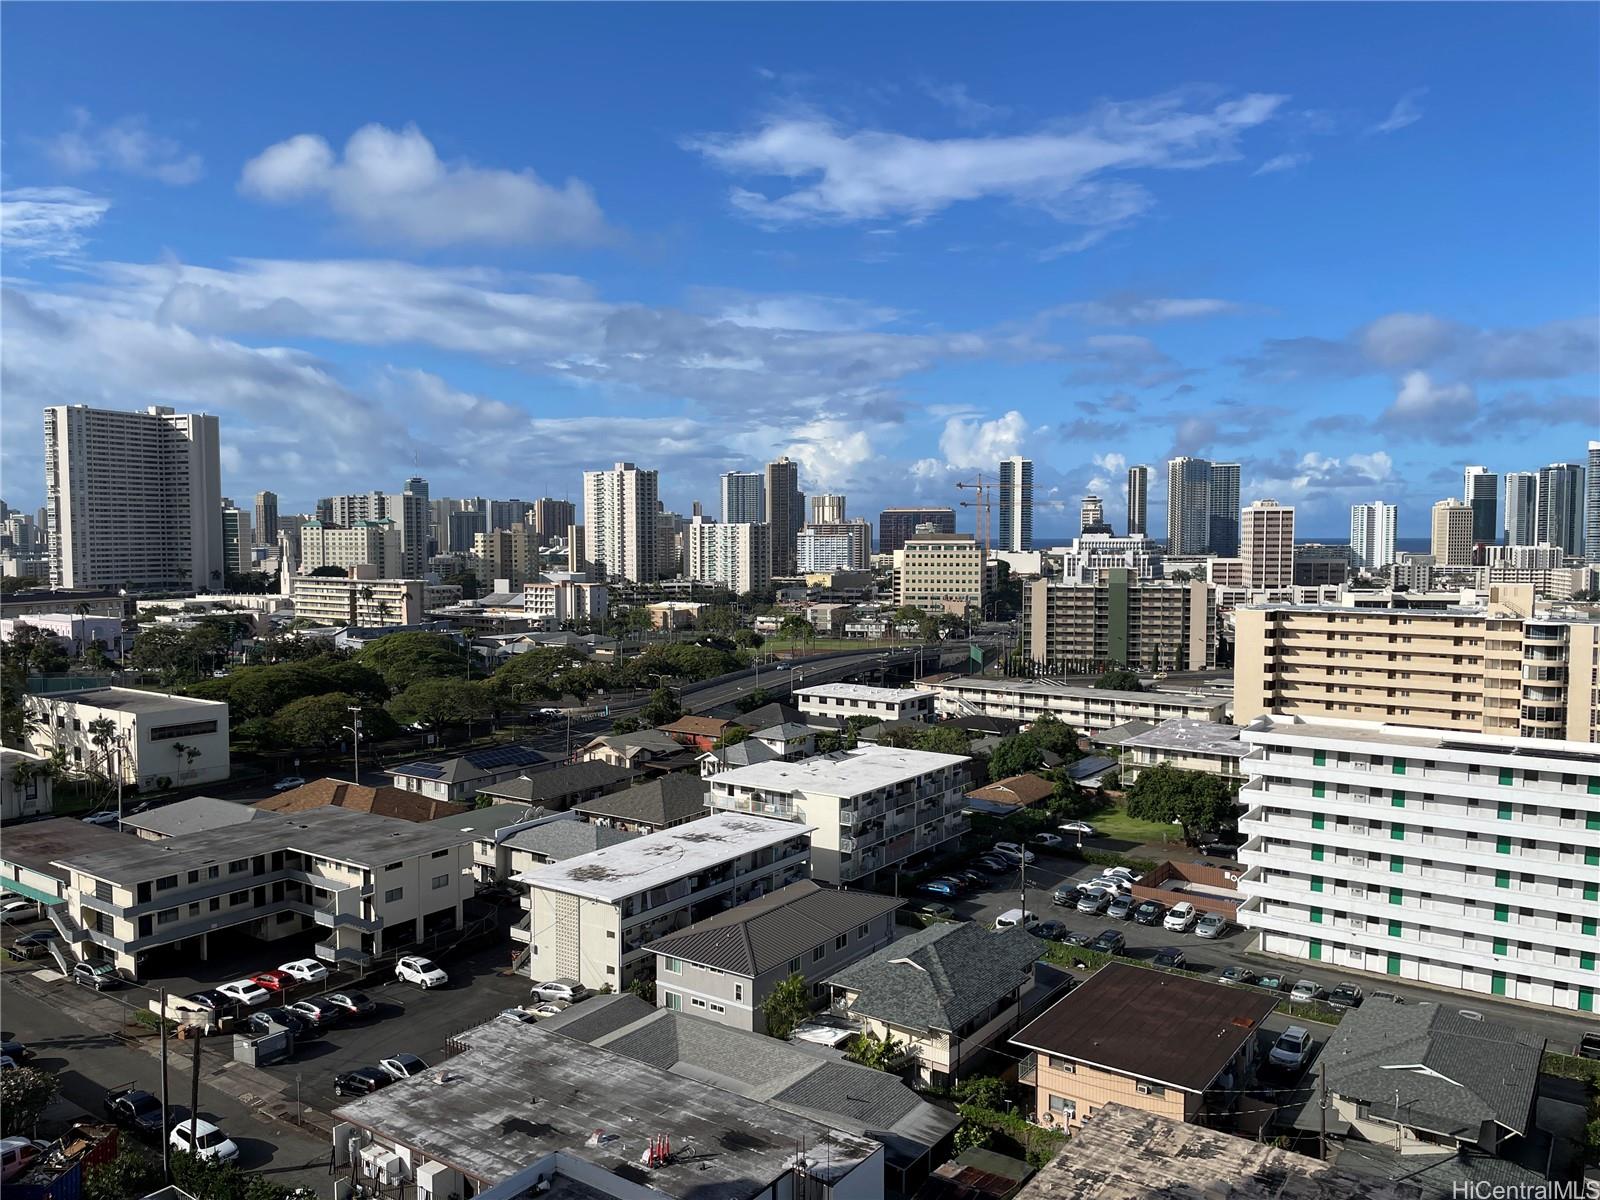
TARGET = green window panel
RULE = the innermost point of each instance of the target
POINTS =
(1397, 832)
(1505, 810)
(1500, 945)
(1319, 790)
(1397, 799)
(1316, 916)
(1585, 999)
(1396, 896)
(1316, 950)
(1594, 790)
(1316, 854)
(1394, 928)
(1502, 879)
(1502, 845)
(1502, 912)
(1505, 776)
(1397, 864)
(1591, 891)
(1498, 986)
(1590, 925)
(1319, 758)
(1586, 959)
(1394, 964)
(1316, 883)
(1318, 821)
(1591, 857)
(1591, 820)
(1398, 767)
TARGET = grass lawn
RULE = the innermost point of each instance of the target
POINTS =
(1115, 823)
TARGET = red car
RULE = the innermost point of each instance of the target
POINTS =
(273, 981)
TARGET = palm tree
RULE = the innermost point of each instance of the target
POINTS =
(879, 1053)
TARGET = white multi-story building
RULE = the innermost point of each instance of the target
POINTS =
(620, 523)
(565, 600)
(1266, 544)
(739, 557)
(841, 700)
(332, 600)
(828, 509)
(1086, 709)
(841, 546)
(1372, 535)
(1016, 503)
(744, 498)
(134, 499)
(152, 740)
(1092, 553)
(867, 809)
(374, 543)
(591, 917)
(1459, 860)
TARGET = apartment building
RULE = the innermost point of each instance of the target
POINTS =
(331, 600)
(939, 574)
(1460, 860)
(592, 917)
(565, 600)
(785, 511)
(1503, 669)
(1187, 745)
(1093, 553)
(552, 518)
(840, 700)
(1016, 503)
(1559, 506)
(828, 509)
(133, 499)
(619, 523)
(1266, 544)
(1372, 535)
(897, 524)
(738, 557)
(154, 741)
(374, 883)
(237, 540)
(744, 498)
(1138, 500)
(375, 544)
(836, 546)
(1086, 709)
(1452, 533)
(1120, 620)
(868, 809)
(511, 553)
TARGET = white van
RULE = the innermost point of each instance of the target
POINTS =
(1013, 917)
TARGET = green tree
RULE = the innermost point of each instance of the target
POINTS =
(404, 658)
(314, 722)
(733, 735)
(25, 1092)
(1056, 737)
(538, 675)
(18, 583)
(942, 739)
(1119, 679)
(213, 1179)
(795, 628)
(971, 1135)
(1199, 802)
(1016, 755)
(986, 1091)
(879, 1053)
(437, 703)
(661, 709)
(627, 725)
(133, 1172)
(748, 638)
(786, 1006)
(645, 988)
(753, 701)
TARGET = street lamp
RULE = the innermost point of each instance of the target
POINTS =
(355, 740)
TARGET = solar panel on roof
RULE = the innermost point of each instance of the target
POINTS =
(503, 756)
(420, 769)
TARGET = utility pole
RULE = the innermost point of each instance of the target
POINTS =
(166, 1133)
(194, 1087)
(1322, 1084)
(355, 740)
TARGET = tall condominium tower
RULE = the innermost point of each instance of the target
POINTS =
(1558, 508)
(619, 522)
(1091, 514)
(266, 518)
(785, 512)
(1452, 533)
(743, 498)
(236, 540)
(1016, 503)
(1372, 535)
(895, 525)
(1591, 506)
(1223, 539)
(827, 509)
(552, 518)
(133, 499)
(1138, 499)
(1522, 507)
(1267, 544)
(417, 486)
(1481, 488)
(1188, 506)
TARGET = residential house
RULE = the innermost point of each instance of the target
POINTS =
(747, 753)
(154, 741)
(844, 700)
(560, 788)
(630, 749)
(945, 993)
(650, 807)
(802, 929)
(1011, 795)
(1166, 1043)
(1188, 745)
(461, 778)
(699, 733)
(380, 801)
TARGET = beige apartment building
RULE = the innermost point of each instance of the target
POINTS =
(1503, 669)
(939, 573)
(363, 543)
(510, 554)
(1267, 544)
(1452, 533)
(328, 599)
(1077, 628)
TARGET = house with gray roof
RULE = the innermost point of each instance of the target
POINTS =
(741, 754)
(808, 1083)
(558, 840)
(946, 992)
(560, 788)
(649, 807)
(198, 814)
(461, 778)
(724, 967)
(631, 750)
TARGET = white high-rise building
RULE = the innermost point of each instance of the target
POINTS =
(1267, 544)
(1138, 500)
(1591, 506)
(1091, 515)
(1016, 503)
(845, 546)
(1522, 508)
(619, 522)
(1188, 506)
(1558, 512)
(739, 557)
(134, 499)
(827, 509)
(1372, 535)
(744, 498)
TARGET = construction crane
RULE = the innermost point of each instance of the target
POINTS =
(984, 505)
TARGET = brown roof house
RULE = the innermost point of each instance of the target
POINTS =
(1153, 1040)
(1006, 796)
(700, 733)
(381, 801)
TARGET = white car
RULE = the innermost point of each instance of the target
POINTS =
(245, 991)
(1292, 1048)
(1127, 873)
(423, 972)
(306, 970)
(1113, 883)
(18, 910)
(287, 782)
(1212, 925)
(101, 818)
(204, 1140)
(1046, 839)
(1306, 991)
(1081, 828)
(1012, 852)
(404, 1066)
(1180, 917)
(550, 1008)
(569, 990)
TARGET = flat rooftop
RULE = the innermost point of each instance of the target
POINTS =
(520, 1092)
(611, 873)
(1049, 687)
(1426, 739)
(358, 838)
(38, 845)
(862, 691)
(840, 773)
(133, 700)
(1197, 737)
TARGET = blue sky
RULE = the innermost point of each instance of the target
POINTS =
(1351, 246)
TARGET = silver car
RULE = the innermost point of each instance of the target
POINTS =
(1211, 925)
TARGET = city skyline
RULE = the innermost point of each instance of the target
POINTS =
(393, 280)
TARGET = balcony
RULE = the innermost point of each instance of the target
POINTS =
(328, 952)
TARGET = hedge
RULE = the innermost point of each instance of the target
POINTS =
(1570, 1066)
(1039, 1145)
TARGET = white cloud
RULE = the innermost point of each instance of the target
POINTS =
(1148, 310)
(48, 222)
(1065, 168)
(968, 110)
(1283, 162)
(973, 444)
(797, 311)
(1406, 111)
(127, 146)
(392, 186)
(1436, 408)
(1407, 339)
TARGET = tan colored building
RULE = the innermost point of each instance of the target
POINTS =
(375, 543)
(328, 599)
(939, 573)
(1503, 669)
(1077, 628)
(1267, 544)
(1452, 533)
(510, 554)
(1179, 1047)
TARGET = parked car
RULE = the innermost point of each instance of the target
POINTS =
(967, 879)
(1272, 982)
(1149, 912)
(318, 1014)
(1066, 897)
(1052, 931)
(1211, 925)
(16, 911)
(1120, 884)
(423, 972)
(1242, 975)
(102, 977)
(1079, 938)
(1180, 917)
(948, 888)
(287, 1017)
(1224, 850)
(287, 782)
(101, 818)
(1094, 900)
(245, 991)
(1013, 917)
(521, 1016)
(35, 944)
(212, 1000)
(404, 1066)
(1081, 828)
(1382, 994)
(1589, 1044)
(204, 1140)
(362, 1081)
(1345, 995)
(306, 970)
(1292, 1049)
(938, 912)
(549, 1008)
(1306, 991)
(991, 865)
(259, 1024)
(1012, 852)
(569, 990)
(355, 1004)
(1109, 941)
(1046, 839)
(1120, 909)
(275, 982)
(135, 1110)
(1171, 957)
(17, 1154)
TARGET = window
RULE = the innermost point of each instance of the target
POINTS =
(861, 932)
(674, 965)
(440, 853)
(167, 916)
(440, 881)
(194, 876)
(1065, 1109)
(794, 965)
(165, 882)
(393, 894)
(1061, 1064)
(719, 1008)
(213, 872)
(1150, 1089)
(238, 865)
(216, 903)
(738, 991)
(840, 941)
(394, 866)
(238, 898)
(165, 733)
(816, 955)
(697, 1002)
(673, 1001)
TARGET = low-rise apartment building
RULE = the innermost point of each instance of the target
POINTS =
(870, 808)
(1459, 860)
(1086, 709)
(1119, 620)
(1178, 1047)
(333, 600)
(1189, 746)
(154, 740)
(724, 967)
(592, 917)
(840, 700)
(565, 600)
(374, 883)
